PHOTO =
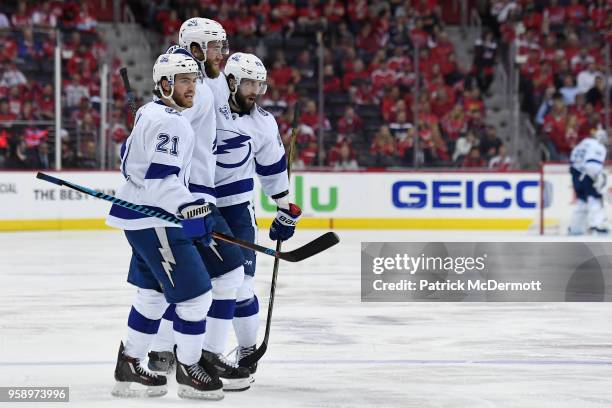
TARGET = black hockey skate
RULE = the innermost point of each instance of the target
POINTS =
(161, 361)
(197, 381)
(134, 380)
(234, 378)
(241, 353)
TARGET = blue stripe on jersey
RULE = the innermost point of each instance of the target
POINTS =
(161, 171)
(272, 169)
(127, 214)
(198, 188)
(140, 323)
(594, 161)
(237, 187)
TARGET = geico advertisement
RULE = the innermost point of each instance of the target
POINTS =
(324, 195)
(375, 195)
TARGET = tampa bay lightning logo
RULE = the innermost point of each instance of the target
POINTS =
(192, 22)
(225, 111)
(232, 149)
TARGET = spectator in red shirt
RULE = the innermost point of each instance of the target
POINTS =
(555, 16)
(357, 73)
(473, 159)
(454, 123)
(350, 125)
(532, 18)
(576, 13)
(21, 18)
(418, 35)
(85, 20)
(310, 117)
(363, 93)
(8, 51)
(45, 16)
(333, 11)
(501, 162)
(28, 112)
(310, 15)
(358, 13)
(554, 127)
(331, 83)
(282, 74)
(5, 111)
(383, 77)
(388, 102)
(442, 101)
(367, 41)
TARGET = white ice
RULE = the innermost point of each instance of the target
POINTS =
(64, 303)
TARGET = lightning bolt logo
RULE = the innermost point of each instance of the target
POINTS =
(233, 143)
(166, 253)
(213, 247)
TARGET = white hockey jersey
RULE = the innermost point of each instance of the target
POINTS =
(156, 164)
(203, 121)
(246, 145)
(588, 157)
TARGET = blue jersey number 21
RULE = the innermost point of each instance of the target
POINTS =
(163, 142)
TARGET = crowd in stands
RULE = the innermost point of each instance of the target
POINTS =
(561, 46)
(370, 96)
(375, 104)
(28, 33)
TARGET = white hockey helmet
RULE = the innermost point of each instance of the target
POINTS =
(247, 66)
(202, 31)
(601, 135)
(169, 65)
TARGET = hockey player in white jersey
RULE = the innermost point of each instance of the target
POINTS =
(249, 144)
(589, 181)
(165, 265)
(205, 40)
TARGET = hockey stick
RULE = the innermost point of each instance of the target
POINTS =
(319, 244)
(255, 356)
(131, 99)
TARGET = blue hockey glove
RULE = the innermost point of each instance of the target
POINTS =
(197, 220)
(283, 225)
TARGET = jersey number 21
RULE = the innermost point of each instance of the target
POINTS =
(163, 142)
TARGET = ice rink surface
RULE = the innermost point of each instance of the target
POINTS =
(64, 304)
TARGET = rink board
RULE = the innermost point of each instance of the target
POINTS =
(351, 200)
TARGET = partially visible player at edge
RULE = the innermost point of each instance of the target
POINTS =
(589, 181)
(205, 40)
(165, 265)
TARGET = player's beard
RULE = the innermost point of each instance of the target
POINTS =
(242, 103)
(211, 70)
(182, 101)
